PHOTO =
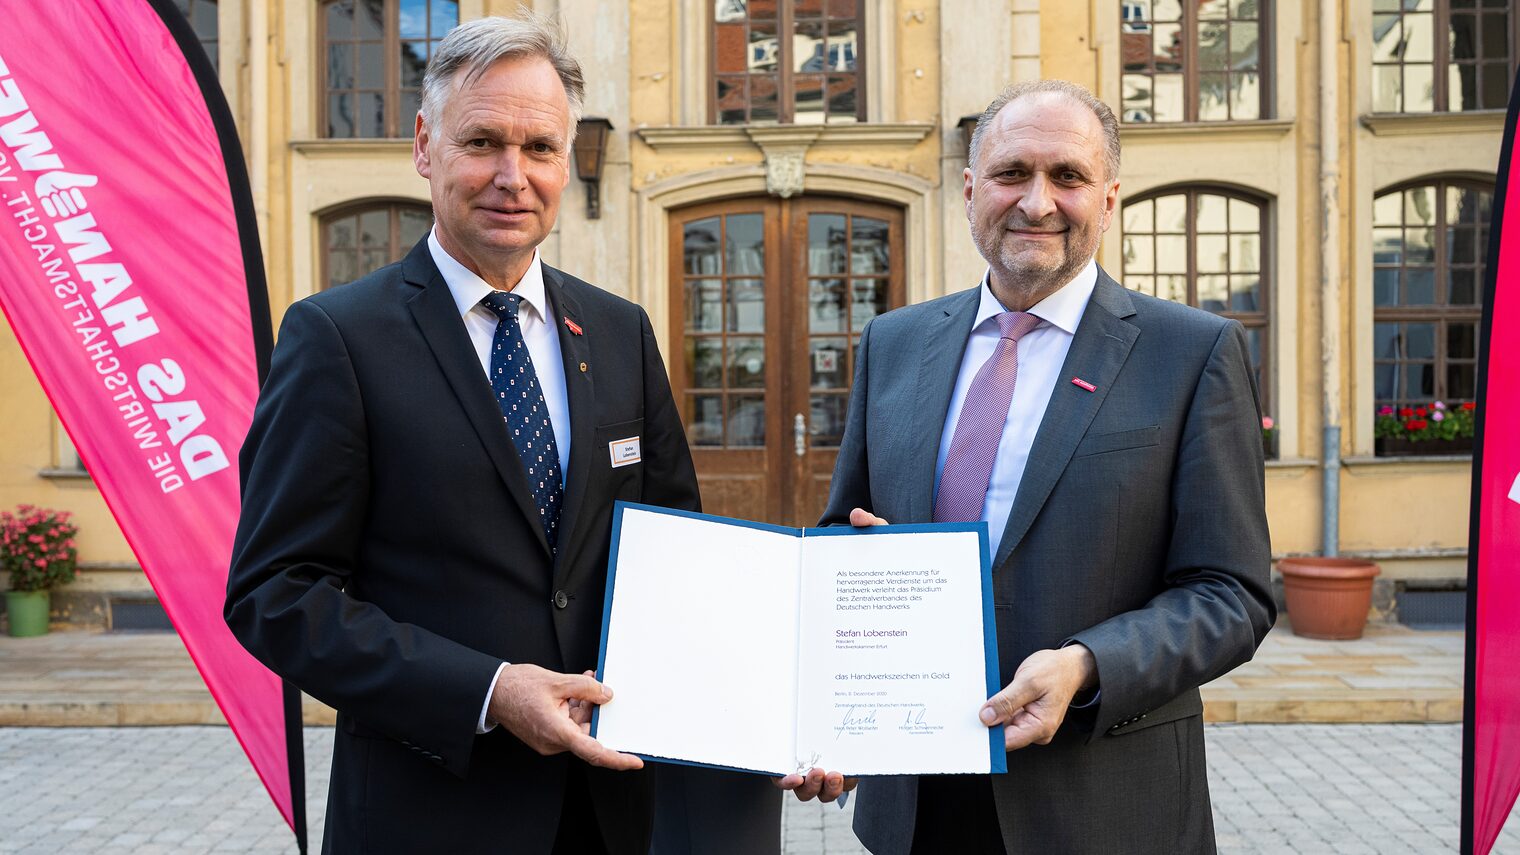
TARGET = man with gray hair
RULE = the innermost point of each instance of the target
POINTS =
(1110, 441)
(428, 487)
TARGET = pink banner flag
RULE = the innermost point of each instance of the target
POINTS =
(1491, 731)
(130, 273)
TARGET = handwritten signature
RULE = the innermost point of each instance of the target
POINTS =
(915, 719)
(856, 720)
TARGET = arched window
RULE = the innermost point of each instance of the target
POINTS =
(1205, 247)
(1428, 244)
(360, 239)
(374, 54)
(787, 61)
(202, 17)
(1198, 61)
(1440, 55)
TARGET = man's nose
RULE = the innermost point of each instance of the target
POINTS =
(1037, 202)
(510, 177)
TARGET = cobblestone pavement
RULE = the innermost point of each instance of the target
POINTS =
(1342, 789)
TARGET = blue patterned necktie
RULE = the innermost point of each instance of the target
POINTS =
(522, 406)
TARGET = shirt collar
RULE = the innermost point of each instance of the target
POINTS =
(1061, 309)
(468, 289)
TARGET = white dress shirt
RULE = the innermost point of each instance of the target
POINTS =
(1042, 352)
(536, 318)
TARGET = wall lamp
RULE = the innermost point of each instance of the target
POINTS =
(967, 124)
(590, 154)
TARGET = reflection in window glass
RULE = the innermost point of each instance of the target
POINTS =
(786, 61)
(374, 56)
(358, 241)
(1200, 62)
(1421, 67)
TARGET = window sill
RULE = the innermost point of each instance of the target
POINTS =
(1419, 459)
(56, 474)
(1293, 463)
(352, 146)
(1258, 129)
(1413, 124)
(903, 134)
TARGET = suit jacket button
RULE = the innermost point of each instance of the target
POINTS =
(561, 599)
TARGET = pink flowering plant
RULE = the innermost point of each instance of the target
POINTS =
(38, 547)
(1436, 420)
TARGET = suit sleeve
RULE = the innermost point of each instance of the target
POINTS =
(851, 485)
(1216, 606)
(670, 479)
(305, 470)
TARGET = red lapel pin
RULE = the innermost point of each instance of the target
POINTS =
(574, 327)
(1078, 381)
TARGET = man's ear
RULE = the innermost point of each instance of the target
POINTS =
(420, 138)
(969, 189)
(1110, 204)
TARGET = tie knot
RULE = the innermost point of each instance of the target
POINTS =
(1015, 324)
(503, 304)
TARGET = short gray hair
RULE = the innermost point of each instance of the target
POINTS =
(1080, 94)
(474, 46)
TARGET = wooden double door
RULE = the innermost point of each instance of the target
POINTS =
(768, 298)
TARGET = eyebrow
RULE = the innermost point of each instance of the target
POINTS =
(1059, 166)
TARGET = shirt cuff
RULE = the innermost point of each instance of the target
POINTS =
(484, 726)
(1088, 702)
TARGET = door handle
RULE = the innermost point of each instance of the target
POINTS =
(799, 434)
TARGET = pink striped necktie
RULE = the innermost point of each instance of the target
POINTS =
(974, 446)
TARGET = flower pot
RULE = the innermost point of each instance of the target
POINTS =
(1390, 447)
(28, 612)
(1328, 597)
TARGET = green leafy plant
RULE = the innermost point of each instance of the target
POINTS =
(37, 548)
(1434, 421)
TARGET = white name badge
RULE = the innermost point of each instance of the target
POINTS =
(625, 452)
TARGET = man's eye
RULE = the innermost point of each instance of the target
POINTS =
(543, 148)
(479, 142)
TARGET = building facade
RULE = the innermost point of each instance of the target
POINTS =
(777, 172)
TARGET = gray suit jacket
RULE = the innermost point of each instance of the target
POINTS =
(1139, 530)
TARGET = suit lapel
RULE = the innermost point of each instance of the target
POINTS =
(1098, 351)
(437, 316)
(946, 339)
(581, 392)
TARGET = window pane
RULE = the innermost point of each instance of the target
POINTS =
(746, 363)
(1419, 246)
(843, 8)
(763, 101)
(343, 234)
(1385, 286)
(204, 20)
(340, 66)
(728, 48)
(807, 99)
(807, 8)
(807, 47)
(1245, 293)
(1245, 253)
(1213, 253)
(1495, 37)
(1496, 80)
(746, 305)
(704, 305)
(341, 267)
(1210, 214)
(869, 250)
(731, 100)
(340, 20)
(1138, 255)
(1420, 341)
(445, 17)
(1172, 288)
(842, 104)
(1385, 341)
(1462, 36)
(1387, 89)
(374, 229)
(369, 19)
(1387, 209)
(1136, 99)
(373, 260)
(1166, 10)
(1139, 216)
(1419, 206)
(704, 362)
(1387, 246)
(413, 63)
(412, 19)
(1143, 284)
(1166, 46)
(340, 115)
(746, 421)
(1213, 10)
(843, 47)
(1462, 340)
(371, 72)
(1213, 46)
(826, 363)
(764, 49)
(1419, 88)
(1419, 381)
(826, 305)
(1461, 381)
(745, 245)
(1463, 287)
(1419, 286)
(868, 298)
(725, 11)
(1244, 216)
(1245, 97)
(1419, 37)
(1171, 213)
(826, 244)
(1244, 45)
(1385, 382)
(370, 114)
(1171, 254)
(1213, 97)
(1213, 293)
(700, 244)
(705, 425)
(826, 420)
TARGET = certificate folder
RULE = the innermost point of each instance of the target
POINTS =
(762, 648)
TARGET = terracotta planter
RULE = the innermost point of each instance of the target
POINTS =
(1328, 597)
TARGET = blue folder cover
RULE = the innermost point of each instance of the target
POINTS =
(999, 757)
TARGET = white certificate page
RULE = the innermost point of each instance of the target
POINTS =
(769, 649)
(894, 665)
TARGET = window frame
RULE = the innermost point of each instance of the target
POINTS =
(785, 94)
(391, 93)
(393, 208)
(1441, 62)
(1441, 314)
(1266, 20)
(1261, 318)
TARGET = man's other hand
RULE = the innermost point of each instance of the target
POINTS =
(550, 712)
(824, 786)
(1032, 707)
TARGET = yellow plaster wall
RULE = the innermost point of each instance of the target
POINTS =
(1066, 49)
(1399, 505)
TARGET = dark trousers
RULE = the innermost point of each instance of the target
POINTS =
(578, 832)
(956, 814)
